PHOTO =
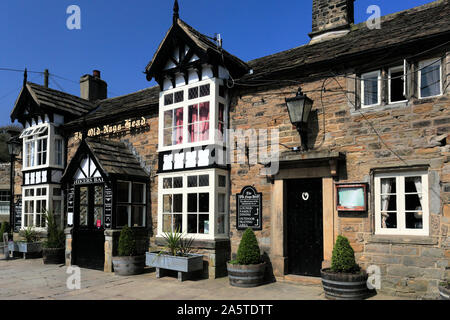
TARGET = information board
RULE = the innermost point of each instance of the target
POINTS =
(249, 209)
(18, 214)
(108, 207)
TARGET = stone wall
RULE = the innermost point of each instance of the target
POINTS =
(416, 131)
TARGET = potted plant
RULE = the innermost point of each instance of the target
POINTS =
(53, 250)
(176, 256)
(344, 280)
(31, 244)
(128, 262)
(248, 268)
(444, 290)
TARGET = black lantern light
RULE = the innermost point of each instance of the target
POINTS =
(14, 149)
(299, 109)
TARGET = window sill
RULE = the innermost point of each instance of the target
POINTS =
(394, 239)
(379, 108)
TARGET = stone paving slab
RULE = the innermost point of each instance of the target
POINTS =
(31, 279)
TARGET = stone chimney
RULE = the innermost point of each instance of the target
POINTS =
(93, 88)
(331, 19)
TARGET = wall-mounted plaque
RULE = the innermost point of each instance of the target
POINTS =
(18, 214)
(249, 209)
(351, 197)
(108, 207)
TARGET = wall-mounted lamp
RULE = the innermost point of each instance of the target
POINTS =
(299, 109)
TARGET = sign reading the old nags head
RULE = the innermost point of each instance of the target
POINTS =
(109, 129)
(249, 209)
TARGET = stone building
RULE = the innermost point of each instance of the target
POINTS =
(370, 162)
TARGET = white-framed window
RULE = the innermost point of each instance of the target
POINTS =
(35, 204)
(370, 89)
(131, 204)
(396, 84)
(430, 78)
(58, 151)
(190, 115)
(194, 203)
(5, 196)
(401, 203)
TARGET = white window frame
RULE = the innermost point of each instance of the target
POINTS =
(131, 203)
(400, 185)
(391, 70)
(367, 74)
(35, 198)
(7, 203)
(423, 64)
(213, 189)
(214, 99)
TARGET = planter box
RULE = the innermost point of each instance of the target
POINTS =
(128, 266)
(29, 247)
(53, 255)
(194, 262)
(13, 246)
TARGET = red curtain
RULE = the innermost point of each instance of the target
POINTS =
(179, 125)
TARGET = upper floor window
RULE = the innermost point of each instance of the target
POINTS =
(192, 119)
(397, 84)
(4, 201)
(59, 152)
(401, 203)
(370, 85)
(430, 78)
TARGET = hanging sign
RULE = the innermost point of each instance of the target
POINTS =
(18, 214)
(249, 209)
(108, 207)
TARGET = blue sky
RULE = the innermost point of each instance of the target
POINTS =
(119, 37)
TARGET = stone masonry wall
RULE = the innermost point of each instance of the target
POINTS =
(409, 266)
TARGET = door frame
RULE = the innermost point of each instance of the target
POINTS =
(279, 246)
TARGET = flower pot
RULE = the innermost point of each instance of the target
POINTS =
(344, 286)
(246, 276)
(128, 266)
(29, 247)
(190, 263)
(444, 292)
(53, 255)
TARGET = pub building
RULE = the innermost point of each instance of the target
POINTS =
(361, 115)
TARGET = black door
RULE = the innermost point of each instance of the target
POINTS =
(89, 238)
(305, 231)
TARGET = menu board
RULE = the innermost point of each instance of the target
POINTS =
(108, 207)
(249, 209)
(18, 214)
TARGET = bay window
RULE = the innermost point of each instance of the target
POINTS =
(196, 205)
(401, 204)
(58, 152)
(35, 205)
(190, 115)
(131, 204)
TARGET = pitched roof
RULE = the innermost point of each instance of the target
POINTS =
(399, 28)
(55, 100)
(115, 158)
(131, 104)
(202, 42)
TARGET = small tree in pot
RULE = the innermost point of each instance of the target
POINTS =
(129, 262)
(344, 280)
(248, 269)
(53, 250)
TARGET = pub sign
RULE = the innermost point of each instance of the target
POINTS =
(249, 209)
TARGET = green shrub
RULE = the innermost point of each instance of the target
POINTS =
(30, 235)
(127, 244)
(343, 259)
(55, 236)
(248, 251)
(5, 228)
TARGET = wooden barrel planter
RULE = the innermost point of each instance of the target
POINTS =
(53, 255)
(128, 266)
(345, 286)
(444, 292)
(246, 276)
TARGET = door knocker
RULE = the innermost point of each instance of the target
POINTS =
(305, 196)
